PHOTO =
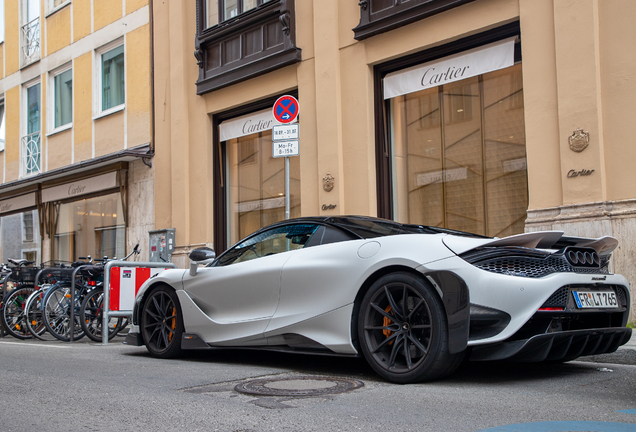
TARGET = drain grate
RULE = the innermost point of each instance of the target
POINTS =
(298, 386)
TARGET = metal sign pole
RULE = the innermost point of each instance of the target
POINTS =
(287, 201)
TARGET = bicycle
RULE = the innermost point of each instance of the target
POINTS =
(12, 316)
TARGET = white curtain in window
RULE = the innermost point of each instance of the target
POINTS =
(113, 78)
(63, 86)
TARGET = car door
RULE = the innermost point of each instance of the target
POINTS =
(240, 292)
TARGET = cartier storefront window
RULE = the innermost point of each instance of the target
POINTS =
(93, 226)
(458, 151)
(255, 193)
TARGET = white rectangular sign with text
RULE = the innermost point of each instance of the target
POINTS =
(285, 148)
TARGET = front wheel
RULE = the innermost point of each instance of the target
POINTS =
(91, 317)
(162, 323)
(12, 316)
(402, 330)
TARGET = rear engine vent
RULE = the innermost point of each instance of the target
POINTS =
(533, 263)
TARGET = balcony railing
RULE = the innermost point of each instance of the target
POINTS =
(31, 154)
(31, 42)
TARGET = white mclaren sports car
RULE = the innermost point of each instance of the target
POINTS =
(413, 300)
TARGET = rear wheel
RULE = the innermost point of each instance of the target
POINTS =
(12, 316)
(403, 331)
(34, 317)
(162, 323)
(91, 317)
(57, 312)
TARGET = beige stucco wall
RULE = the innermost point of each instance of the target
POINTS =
(105, 12)
(138, 85)
(58, 30)
(81, 19)
(83, 107)
(59, 149)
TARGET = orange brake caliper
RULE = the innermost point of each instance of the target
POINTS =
(174, 323)
(387, 322)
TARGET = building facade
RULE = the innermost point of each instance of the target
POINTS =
(77, 135)
(492, 116)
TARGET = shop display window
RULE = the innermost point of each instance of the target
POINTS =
(256, 180)
(93, 226)
(459, 155)
(20, 236)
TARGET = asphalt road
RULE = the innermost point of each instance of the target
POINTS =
(53, 386)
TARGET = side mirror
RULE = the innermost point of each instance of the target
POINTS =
(198, 256)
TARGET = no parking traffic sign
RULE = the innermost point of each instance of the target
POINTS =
(286, 109)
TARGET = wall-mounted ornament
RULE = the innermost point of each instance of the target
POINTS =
(579, 140)
(328, 182)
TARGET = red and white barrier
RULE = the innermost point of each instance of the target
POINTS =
(124, 284)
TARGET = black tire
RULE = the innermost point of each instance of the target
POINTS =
(91, 317)
(403, 331)
(57, 315)
(162, 323)
(12, 313)
(34, 317)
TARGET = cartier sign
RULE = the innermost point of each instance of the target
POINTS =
(583, 172)
(260, 121)
(80, 187)
(17, 203)
(467, 64)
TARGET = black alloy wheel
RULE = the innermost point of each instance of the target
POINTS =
(162, 323)
(402, 330)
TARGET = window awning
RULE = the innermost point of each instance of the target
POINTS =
(87, 167)
(467, 64)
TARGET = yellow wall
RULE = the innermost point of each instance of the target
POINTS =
(58, 30)
(618, 80)
(83, 107)
(11, 36)
(133, 5)
(12, 137)
(105, 12)
(109, 134)
(59, 149)
(81, 19)
(138, 86)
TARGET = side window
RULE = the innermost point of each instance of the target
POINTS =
(327, 234)
(270, 242)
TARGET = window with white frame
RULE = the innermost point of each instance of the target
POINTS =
(53, 5)
(111, 84)
(31, 143)
(27, 226)
(2, 124)
(30, 31)
(61, 99)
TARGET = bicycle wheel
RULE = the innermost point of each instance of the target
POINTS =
(91, 317)
(34, 315)
(57, 312)
(12, 316)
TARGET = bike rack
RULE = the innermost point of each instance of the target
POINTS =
(107, 313)
(72, 317)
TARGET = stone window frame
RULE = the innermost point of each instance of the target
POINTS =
(401, 13)
(210, 44)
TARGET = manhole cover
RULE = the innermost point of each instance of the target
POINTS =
(298, 386)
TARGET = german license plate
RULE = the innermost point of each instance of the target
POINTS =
(595, 299)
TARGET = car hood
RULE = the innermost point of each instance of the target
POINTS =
(541, 240)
